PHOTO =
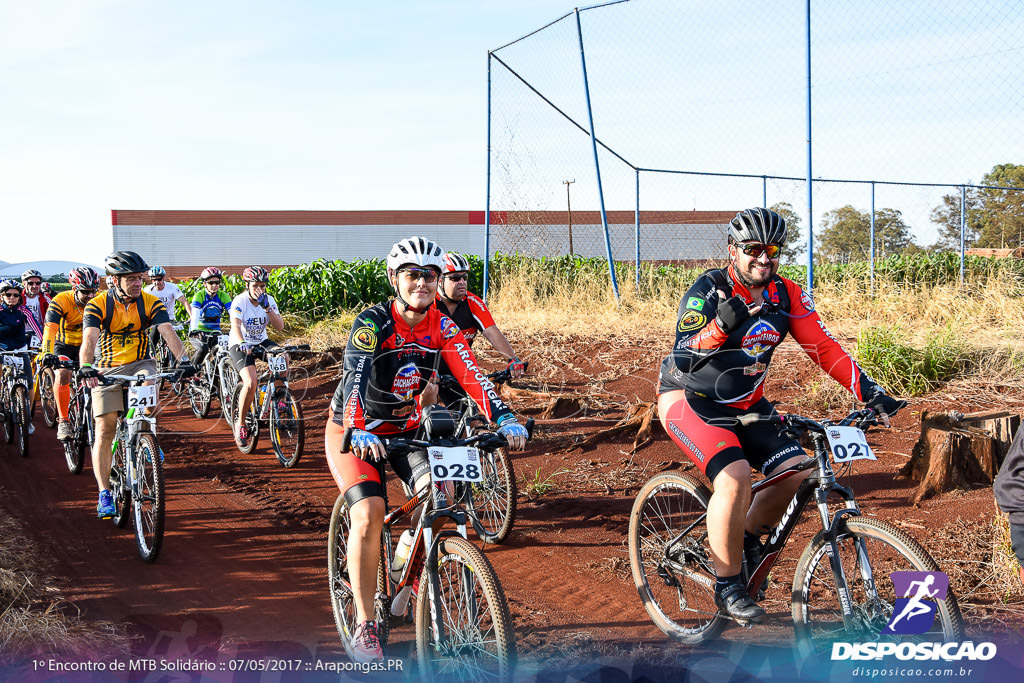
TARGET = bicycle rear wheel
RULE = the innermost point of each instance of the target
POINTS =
(493, 500)
(119, 487)
(817, 613)
(19, 401)
(226, 385)
(342, 597)
(75, 447)
(200, 394)
(47, 399)
(478, 642)
(677, 584)
(148, 500)
(251, 420)
(286, 428)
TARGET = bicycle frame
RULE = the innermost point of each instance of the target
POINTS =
(819, 486)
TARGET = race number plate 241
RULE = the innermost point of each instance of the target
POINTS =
(848, 444)
(142, 397)
(460, 463)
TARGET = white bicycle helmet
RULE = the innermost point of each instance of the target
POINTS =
(417, 251)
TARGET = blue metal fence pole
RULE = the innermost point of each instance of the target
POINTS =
(810, 188)
(872, 249)
(764, 191)
(487, 206)
(637, 226)
(963, 228)
(597, 165)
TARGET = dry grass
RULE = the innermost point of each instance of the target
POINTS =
(33, 619)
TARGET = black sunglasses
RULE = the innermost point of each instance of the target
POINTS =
(755, 249)
(458, 278)
(414, 274)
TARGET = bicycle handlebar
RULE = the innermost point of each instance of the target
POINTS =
(107, 380)
(490, 439)
(498, 377)
(863, 418)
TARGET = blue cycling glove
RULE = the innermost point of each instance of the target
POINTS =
(364, 439)
(511, 428)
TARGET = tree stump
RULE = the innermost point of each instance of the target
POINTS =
(957, 451)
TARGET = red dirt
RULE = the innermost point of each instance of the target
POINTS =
(243, 567)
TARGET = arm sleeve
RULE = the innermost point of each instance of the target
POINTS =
(698, 335)
(93, 316)
(363, 343)
(478, 308)
(158, 313)
(824, 349)
(460, 360)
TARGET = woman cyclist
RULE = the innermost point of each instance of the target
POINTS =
(251, 311)
(209, 304)
(62, 335)
(391, 360)
(17, 325)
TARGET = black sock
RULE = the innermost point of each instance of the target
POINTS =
(722, 582)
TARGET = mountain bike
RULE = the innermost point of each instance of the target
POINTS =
(43, 385)
(492, 502)
(136, 468)
(206, 384)
(842, 588)
(463, 625)
(275, 406)
(15, 409)
(83, 428)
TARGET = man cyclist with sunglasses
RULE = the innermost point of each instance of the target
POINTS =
(393, 352)
(62, 335)
(729, 324)
(470, 313)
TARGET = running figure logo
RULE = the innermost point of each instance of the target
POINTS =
(915, 612)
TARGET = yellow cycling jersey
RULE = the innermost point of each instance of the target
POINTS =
(65, 316)
(123, 326)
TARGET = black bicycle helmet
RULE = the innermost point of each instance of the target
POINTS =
(125, 263)
(758, 224)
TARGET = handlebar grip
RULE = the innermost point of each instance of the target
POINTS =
(748, 419)
(346, 440)
(529, 427)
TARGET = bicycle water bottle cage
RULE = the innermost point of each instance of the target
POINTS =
(438, 423)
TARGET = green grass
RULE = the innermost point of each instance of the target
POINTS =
(909, 371)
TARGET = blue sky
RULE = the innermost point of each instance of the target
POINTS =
(193, 104)
(315, 104)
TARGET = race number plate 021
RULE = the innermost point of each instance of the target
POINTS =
(142, 397)
(848, 444)
(448, 463)
(277, 364)
(222, 341)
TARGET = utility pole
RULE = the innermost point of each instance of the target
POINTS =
(568, 205)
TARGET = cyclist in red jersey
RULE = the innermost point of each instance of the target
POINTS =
(391, 360)
(729, 324)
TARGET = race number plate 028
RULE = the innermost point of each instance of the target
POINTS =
(142, 397)
(222, 341)
(848, 444)
(461, 463)
(277, 364)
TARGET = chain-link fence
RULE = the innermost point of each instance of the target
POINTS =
(613, 122)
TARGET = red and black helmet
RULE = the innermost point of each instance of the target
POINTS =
(83, 277)
(211, 271)
(455, 263)
(256, 274)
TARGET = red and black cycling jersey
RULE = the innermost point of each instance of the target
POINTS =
(387, 365)
(730, 368)
(470, 314)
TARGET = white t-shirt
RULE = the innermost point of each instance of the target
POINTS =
(33, 305)
(168, 295)
(253, 318)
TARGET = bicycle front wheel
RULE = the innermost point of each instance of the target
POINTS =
(21, 418)
(342, 597)
(676, 584)
(200, 395)
(226, 384)
(286, 430)
(869, 551)
(493, 500)
(119, 486)
(477, 642)
(75, 447)
(7, 417)
(47, 398)
(148, 497)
